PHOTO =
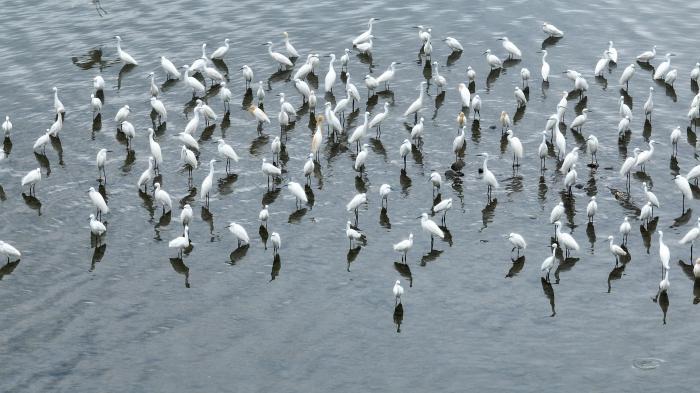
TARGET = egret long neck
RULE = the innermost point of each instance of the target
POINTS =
(486, 159)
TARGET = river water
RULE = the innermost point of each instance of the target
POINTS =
(127, 316)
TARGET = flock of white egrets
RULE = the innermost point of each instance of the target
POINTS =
(195, 76)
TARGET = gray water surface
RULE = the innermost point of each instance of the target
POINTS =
(128, 317)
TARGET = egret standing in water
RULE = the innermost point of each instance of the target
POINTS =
(616, 250)
(417, 104)
(404, 150)
(516, 146)
(123, 56)
(647, 56)
(404, 246)
(100, 161)
(282, 60)
(9, 251)
(221, 51)
(548, 263)
(443, 206)
(298, 192)
(226, 151)
(690, 237)
(684, 187)
(98, 201)
(591, 209)
(488, 176)
(97, 228)
(398, 292)
(352, 234)
(431, 228)
(517, 241)
(493, 60)
(367, 35)
(511, 48)
(625, 229)
(181, 242)
(147, 175)
(384, 191)
(186, 215)
(239, 233)
(207, 184)
(664, 254)
(163, 198)
(354, 204)
(264, 215)
(566, 240)
(276, 242)
(544, 71)
(551, 30)
(453, 44)
(627, 75)
(663, 68)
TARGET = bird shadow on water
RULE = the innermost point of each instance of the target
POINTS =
(8, 268)
(398, 317)
(125, 70)
(662, 299)
(384, 218)
(276, 266)
(352, 255)
(488, 213)
(296, 216)
(97, 256)
(430, 257)
(549, 294)
(517, 265)
(179, 266)
(405, 271)
(564, 265)
(618, 269)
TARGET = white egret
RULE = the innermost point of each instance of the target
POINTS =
(207, 184)
(95, 103)
(248, 75)
(459, 143)
(436, 181)
(361, 158)
(122, 114)
(428, 48)
(96, 228)
(645, 156)
(42, 141)
(664, 284)
(551, 30)
(544, 71)
(351, 89)
(493, 60)
(591, 209)
(684, 187)
(298, 192)
(443, 206)
(625, 229)
(207, 112)
(548, 262)
(7, 124)
(581, 85)
(398, 292)
(260, 93)
(371, 83)
(226, 151)
(627, 75)
(616, 250)
(612, 52)
(404, 246)
(559, 142)
(169, 68)
(525, 76)
(163, 198)
(193, 123)
(580, 120)
(276, 242)
(305, 69)
(100, 161)
(646, 213)
(650, 196)
(690, 237)
(572, 74)
(671, 77)
(471, 74)
(57, 126)
(31, 179)
(516, 147)
(647, 56)
(98, 201)
(147, 175)
(159, 108)
(520, 98)
(453, 44)
(488, 176)
(664, 253)
(566, 240)
(464, 95)
(309, 167)
(333, 121)
(592, 148)
(276, 148)
(221, 51)
(695, 73)
(378, 119)
(98, 83)
(623, 126)
(239, 233)
(404, 150)
(317, 137)
(259, 115)
(359, 132)
(387, 76)
(571, 178)
(154, 90)
(9, 251)
(663, 68)
(123, 56)
(431, 228)
(511, 48)
(602, 64)
(367, 35)
(504, 119)
(557, 213)
(345, 59)
(186, 215)
(192, 82)
(384, 191)
(181, 242)
(675, 136)
(417, 104)
(696, 269)
(189, 159)
(270, 170)
(354, 204)
(155, 149)
(280, 59)
(440, 81)
(517, 241)
(264, 215)
(543, 150)
(352, 234)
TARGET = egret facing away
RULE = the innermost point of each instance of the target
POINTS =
(98, 201)
(592, 148)
(31, 179)
(226, 151)
(298, 192)
(675, 136)
(100, 161)
(443, 206)
(398, 292)
(612, 52)
(488, 176)
(471, 74)
(189, 159)
(404, 150)
(221, 51)
(431, 228)
(664, 253)
(97, 228)
(276, 242)
(181, 242)
(163, 198)
(566, 240)
(98, 83)
(417, 131)
(695, 73)
(557, 213)
(354, 204)
(517, 241)
(186, 215)
(627, 75)
(645, 214)
(159, 108)
(291, 51)
(95, 103)
(384, 191)
(264, 215)
(551, 30)
(548, 262)
(123, 56)
(591, 209)
(361, 158)
(352, 234)
(7, 124)
(616, 250)
(684, 187)
(516, 146)
(436, 180)
(465, 95)
(690, 237)
(239, 233)
(404, 246)
(122, 114)
(647, 56)
(9, 251)
(625, 229)
(207, 184)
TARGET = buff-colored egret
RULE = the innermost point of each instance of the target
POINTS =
(259, 114)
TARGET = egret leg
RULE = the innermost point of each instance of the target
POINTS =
(432, 240)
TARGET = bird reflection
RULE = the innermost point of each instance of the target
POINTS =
(398, 317)
(590, 232)
(453, 57)
(615, 274)
(564, 265)
(696, 291)
(8, 268)
(270, 196)
(97, 256)
(297, 215)
(96, 124)
(516, 267)
(209, 219)
(352, 255)
(430, 257)
(125, 70)
(384, 218)
(225, 184)
(448, 235)
(276, 266)
(179, 266)
(3, 196)
(264, 235)
(549, 293)
(405, 271)
(238, 254)
(405, 182)
(662, 298)
(32, 202)
(488, 212)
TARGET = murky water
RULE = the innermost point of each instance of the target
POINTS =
(126, 317)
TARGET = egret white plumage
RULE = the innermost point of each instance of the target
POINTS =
(650, 196)
(31, 179)
(264, 215)
(580, 120)
(367, 35)
(163, 198)
(471, 74)
(516, 147)
(591, 209)
(97, 228)
(371, 83)
(671, 77)
(366, 47)
(387, 76)
(695, 73)
(192, 82)
(517, 241)
(612, 52)
(690, 237)
(154, 90)
(276, 242)
(488, 176)
(493, 60)
(647, 56)
(100, 161)
(147, 175)
(309, 167)
(684, 187)
(548, 262)
(544, 71)
(9, 251)
(95, 103)
(239, 233)
(221, 51)
(504, 119)
(260, 93)
(155, 149)
(663, 68)
(453, 44)
(646, 213)
(440, 81)
(159, 108)
(571, 178)
(520, 98)
(443, 206)
(436, 180)
(384, 191)
(543, 150)
(616, 250)
(282, 60)
(98, 83)
(169, 68)
(404, 150)
(566, 240)
(352, 234)
(181, 242)
(664, 253)
(417, 104)
(551, 30)
(459, 143)
(511, 48)
(186, 215)
(625, 229)
(464, 95)
(645, 156)
(431, 228)
(592, 148)
(623, 126)
(404, 246)
(361, 158)
(602, 64)
(355, 202)
(317, 137)
(378, 119)
(675, 136)
(525, 76)
(627, 75)
(359, 132)
(189, 159)
(276, 148)
(207, 184)
(270, 170)
(98, 201)
(122, 114)
(428, 48)
(259, 115)
(123, 56)
(345, 59)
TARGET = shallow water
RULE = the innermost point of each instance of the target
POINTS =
(121, 318)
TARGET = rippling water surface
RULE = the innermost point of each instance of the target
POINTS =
(126, 317)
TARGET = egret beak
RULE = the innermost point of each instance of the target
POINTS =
(419, 216)
(500, 39)
(485, 52)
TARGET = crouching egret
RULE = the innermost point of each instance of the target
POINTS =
(97, 228)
